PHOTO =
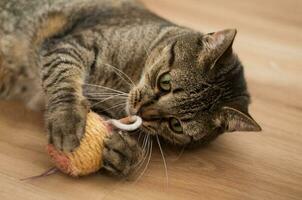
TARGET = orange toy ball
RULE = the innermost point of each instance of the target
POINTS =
(87, 158)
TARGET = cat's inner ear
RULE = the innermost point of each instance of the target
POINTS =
(218, 45)
(235, 120)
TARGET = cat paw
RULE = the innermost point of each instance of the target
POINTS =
(120, 154)
(66, 126)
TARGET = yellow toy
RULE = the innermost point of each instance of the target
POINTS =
(87, 158)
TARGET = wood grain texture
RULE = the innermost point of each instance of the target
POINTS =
(266, 165)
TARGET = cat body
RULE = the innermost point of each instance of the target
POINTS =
(27, 25)
(118, 58)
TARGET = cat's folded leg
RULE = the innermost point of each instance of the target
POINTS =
(121, 154)
(65, 66)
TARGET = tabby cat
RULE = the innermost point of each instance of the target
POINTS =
(118, 58)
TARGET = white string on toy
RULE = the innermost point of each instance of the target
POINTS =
(137, 122)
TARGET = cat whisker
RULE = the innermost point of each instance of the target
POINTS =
(120, 73)
(145, 149)
(140, 135)
(146, 50)
(99, 93)
(106, 99)
(164, 160)
(157, 61)
(148, 161)
(149, 130)
(116, 106)
(103, 87)
(178, 35)
(179, 155)
(106, 96)
(145, 142)
(162, 57)
(144, 136)
(137, 131)
(102, 96)
(145, 155)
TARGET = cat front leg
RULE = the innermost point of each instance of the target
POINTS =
(65, 66)
(121, 154)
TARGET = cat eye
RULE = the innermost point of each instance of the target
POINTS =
(175, 125)
(165, 82)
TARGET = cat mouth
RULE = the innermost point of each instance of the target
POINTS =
(147, 119)
(148, 114)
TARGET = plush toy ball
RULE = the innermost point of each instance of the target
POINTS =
(87, 158)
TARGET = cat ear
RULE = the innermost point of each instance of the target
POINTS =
(235, 120)
(218, 44)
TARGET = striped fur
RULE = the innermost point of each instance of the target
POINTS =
(66, 52)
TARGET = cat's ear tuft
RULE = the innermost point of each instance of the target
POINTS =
(218, 44)
(235, 120)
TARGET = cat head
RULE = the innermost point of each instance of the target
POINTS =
(192, 89)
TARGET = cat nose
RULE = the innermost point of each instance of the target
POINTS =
(149, 114)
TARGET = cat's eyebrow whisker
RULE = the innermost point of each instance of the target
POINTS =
(178, 35)
(146, 50)
(164, 159)
(157, 61)
(120, 73)
(103, 87)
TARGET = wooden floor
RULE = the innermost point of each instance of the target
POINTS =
(258, 166)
